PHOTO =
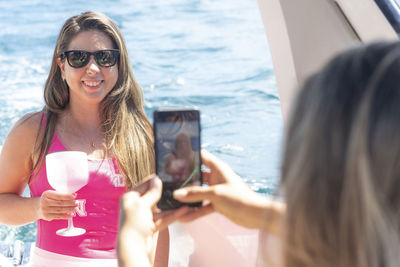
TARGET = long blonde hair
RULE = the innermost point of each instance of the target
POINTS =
(127, 130)
(341, 165)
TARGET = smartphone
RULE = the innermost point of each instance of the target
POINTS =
(177, 147)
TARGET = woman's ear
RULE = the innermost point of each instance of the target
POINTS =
(61, 65)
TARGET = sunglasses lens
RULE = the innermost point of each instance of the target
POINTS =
(77, 59)
(106, 58)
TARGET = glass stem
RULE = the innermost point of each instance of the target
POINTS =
(70, 224)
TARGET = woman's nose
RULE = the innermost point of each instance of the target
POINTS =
(92, 67)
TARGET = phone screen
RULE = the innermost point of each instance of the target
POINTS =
(177, 146)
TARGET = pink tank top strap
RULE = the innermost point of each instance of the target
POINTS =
(55, 145)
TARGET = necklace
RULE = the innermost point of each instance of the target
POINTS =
(93, 144)
(82, 134)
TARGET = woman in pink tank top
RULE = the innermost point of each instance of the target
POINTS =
(92, 104)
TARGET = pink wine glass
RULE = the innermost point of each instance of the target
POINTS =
(67, 172)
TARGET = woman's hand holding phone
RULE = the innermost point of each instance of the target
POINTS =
(230, 196)
(139, 208)
(140, 220)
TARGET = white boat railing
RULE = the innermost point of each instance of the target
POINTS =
(304, 35)
(15, 254)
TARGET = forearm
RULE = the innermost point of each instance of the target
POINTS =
(17, 210)
(162, 248)
(273, 213)
(132, 249)
(258, 212)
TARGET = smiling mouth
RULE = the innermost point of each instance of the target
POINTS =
(92, 83)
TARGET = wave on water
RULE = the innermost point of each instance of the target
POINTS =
(230, 149)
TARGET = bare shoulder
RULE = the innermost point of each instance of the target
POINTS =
(29, 122)
(27, 129)
(169, 157)
(17, 151)
(23, 135)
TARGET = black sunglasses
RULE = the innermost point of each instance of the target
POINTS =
(80, 58)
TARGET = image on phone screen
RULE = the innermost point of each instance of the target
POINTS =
(177, 146)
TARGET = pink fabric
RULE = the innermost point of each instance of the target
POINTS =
(43, 258)
(98, 212)
(219, 242)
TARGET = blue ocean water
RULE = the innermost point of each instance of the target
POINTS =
(212, 54)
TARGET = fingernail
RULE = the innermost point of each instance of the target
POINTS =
(180, 193)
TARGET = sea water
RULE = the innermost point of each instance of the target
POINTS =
(212, 54)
